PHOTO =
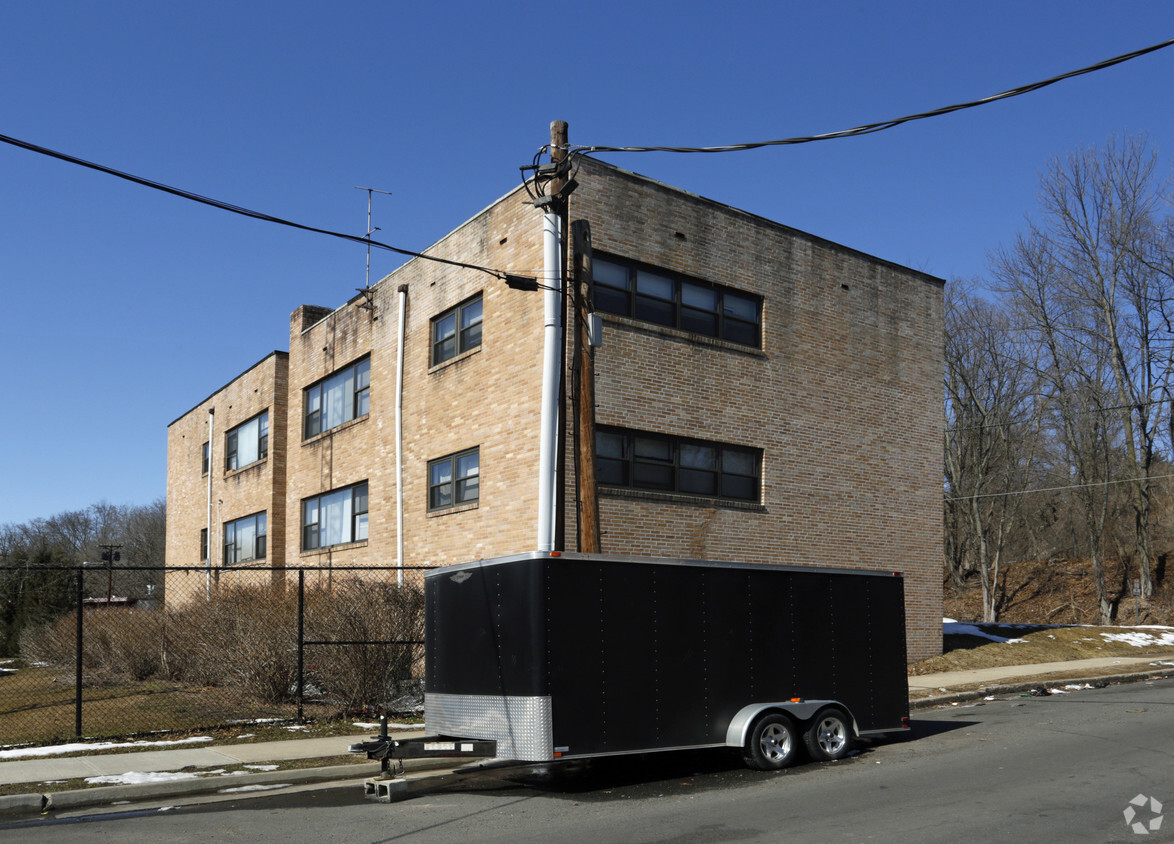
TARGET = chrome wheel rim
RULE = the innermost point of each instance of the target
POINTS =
(775, 743)
(831, 735)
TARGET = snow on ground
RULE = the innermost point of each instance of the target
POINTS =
(1140, 638)
(363, 725)
(958, 628)
(241, 788)
(140, 777)
(84, 747)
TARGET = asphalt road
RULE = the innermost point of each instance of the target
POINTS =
(1059, 768)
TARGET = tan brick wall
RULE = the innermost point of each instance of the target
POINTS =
(843, 398)
(486, 398)
(251, 489)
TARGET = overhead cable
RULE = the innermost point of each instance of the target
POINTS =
(869, 128)
(237, 209)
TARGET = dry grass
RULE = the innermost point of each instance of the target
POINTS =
(1058, 644)
(37, 706)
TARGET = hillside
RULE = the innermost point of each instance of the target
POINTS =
(1061, 592)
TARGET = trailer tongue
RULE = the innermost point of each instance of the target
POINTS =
(544, 656)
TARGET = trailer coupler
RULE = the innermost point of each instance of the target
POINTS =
(386, 787)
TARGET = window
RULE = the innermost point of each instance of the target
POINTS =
(205, 461)
(247, 443)
(628, 289)
(244, 539)
(335, 518)
(454, 480)
(344, 396)
(203, 543)
(456, 330)
(640, 460)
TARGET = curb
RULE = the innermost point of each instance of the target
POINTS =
(16, 806)
(1027, 684)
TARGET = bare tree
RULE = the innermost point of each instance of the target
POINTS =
(992, 436)
(1101, 229)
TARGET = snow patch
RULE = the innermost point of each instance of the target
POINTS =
(983, 631)
(1142, 639)
(83, 747)
(242, 788)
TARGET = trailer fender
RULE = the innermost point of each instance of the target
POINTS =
(801, 711)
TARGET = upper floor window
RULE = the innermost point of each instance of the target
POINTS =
(341, 397)
(247, 443)
(454, 480)
(335, 518)
(203, 543)
(456, 330)
(244, 539)
(641, 460)
(634, 290)
(205, 461)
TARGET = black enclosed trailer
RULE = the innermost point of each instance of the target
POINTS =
(557, 656)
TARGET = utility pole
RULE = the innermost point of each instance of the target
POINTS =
(584, 389)
(110, 556)
(558, 156)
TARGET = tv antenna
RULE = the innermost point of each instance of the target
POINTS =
(370, 231)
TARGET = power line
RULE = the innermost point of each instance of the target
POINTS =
(237, 209)
(1056, 488)
(869, 128)
(1135, 406)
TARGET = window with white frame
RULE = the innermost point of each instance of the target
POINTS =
(247, 443)
(339, 398)
(641, 460)
(456, 330)
(630, 289)
(244, 539)
(203, 543)
(335, 518)
(205, 460)
(454, 480)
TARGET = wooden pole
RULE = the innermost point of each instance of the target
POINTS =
(584, 369)
(558, 154)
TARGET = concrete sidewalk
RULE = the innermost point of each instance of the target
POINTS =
(1038, 672)
(47, 769)
(42, 773)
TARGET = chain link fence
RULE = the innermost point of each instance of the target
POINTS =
(127, 650)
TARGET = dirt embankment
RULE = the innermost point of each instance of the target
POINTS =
(1063, 592)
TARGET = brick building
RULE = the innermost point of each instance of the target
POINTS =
(763, 395)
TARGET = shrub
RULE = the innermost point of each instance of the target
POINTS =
(371, 675)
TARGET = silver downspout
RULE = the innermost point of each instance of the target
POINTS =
(211, 463)
(399, 438)
(552, 361)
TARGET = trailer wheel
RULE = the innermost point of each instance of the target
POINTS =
(773, 743)
(829, 737)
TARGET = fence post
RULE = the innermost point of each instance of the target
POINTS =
(301, 640)
(77, 680)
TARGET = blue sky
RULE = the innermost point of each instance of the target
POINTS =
(124, 307)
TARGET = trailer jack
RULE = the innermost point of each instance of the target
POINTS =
(390, 785)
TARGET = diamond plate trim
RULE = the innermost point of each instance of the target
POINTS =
(521, 726)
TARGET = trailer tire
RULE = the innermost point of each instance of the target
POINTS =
(772, 744)
(829, 736)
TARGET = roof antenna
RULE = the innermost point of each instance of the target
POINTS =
(370, 231)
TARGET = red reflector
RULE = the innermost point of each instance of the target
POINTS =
(556, 553)
(796, 700)
(556, 755)
(897, 574)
